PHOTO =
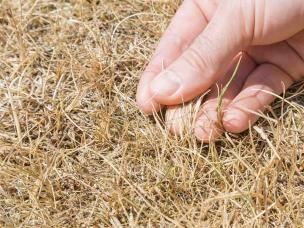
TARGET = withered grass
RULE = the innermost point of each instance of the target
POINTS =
(76, 152)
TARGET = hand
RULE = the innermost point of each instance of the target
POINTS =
(200, 49)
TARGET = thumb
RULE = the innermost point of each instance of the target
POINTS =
(207, 58)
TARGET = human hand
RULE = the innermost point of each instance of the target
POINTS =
(200, 49)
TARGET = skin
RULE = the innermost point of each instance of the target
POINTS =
(200, 50)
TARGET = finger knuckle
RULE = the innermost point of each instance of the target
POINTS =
(196, 57)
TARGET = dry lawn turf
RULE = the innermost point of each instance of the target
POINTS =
(75, 151)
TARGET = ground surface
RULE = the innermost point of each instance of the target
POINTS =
(74, 150)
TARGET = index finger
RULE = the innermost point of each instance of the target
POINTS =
(189, 21)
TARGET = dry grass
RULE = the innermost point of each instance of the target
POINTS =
(75, 151)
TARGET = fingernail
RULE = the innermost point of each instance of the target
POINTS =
(165, 84)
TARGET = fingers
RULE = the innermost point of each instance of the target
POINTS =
(179, 118)
(255, 96)
(281, 55)
(208, 126)
(187, 24)
(205, 60)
